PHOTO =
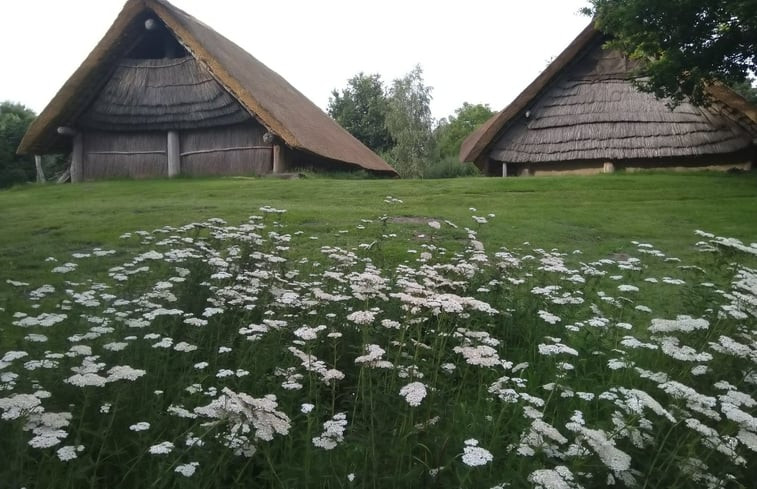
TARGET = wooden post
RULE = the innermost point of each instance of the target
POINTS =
(40, 171)
(77, 158)
(504, 170)
(608, 167)
(279, 165)
(174, 154)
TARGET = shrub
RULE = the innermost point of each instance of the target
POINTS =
(450, 168)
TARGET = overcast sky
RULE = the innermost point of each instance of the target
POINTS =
(471, 51)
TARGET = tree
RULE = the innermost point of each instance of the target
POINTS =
(451, 131)
(361, 109)
(14, 120)
(410, 123)
(683, 44)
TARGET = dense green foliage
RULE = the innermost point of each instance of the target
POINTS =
(448, 135)
(410, 123)
(449, 167)
(14, 120)
(451, 131)
(683, 44)
(15, 169)
(361, 109)
(396, 122)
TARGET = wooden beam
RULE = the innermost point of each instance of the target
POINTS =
(67, 131)
(40, 171)
(65, 176)
(174, 154)
(221, 150)
(127, 153)
(77, 159)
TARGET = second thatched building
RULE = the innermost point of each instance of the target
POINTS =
(584, 115)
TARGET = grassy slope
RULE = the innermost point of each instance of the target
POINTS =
(596, 214)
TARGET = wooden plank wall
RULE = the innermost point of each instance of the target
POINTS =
(124, 155)
(230, 150)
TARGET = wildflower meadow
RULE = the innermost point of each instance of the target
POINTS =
(216, 354)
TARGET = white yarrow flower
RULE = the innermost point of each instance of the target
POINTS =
(69, 452)
(414, 393)
(474, 455)
(141, 426)
(362, 317)
(559, 478)
(549, 317)
(162, 448)
(187, 470)
(333, 432)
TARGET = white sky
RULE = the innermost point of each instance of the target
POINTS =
(473, 51)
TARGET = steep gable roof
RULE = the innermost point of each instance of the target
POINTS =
(584, 106)
(266, 95)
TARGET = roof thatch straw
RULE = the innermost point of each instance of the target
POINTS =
(162, 94)
(262, 93)
(585, 107)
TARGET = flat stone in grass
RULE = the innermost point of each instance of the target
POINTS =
(411, 220)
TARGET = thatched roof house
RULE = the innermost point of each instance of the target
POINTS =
(583, 115)
(163, 93)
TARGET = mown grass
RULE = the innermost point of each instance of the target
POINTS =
(599, 212)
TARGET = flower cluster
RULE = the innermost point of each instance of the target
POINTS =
(210, 341)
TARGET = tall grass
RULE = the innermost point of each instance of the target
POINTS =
(218, 355)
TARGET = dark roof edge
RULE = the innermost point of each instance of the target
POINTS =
(51, 115)
(733, 100)
(476, 144)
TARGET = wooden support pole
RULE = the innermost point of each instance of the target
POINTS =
(279, 165)
(504, 170)
(174, 154)
(608, 167)
(77, 159)
(40, 171)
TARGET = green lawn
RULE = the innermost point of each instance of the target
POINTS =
(600, 213)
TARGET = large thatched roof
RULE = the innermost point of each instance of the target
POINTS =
(161, 94)
(264, 94)
(585, 107)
